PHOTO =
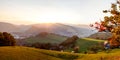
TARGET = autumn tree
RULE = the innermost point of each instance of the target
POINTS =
(112, 24)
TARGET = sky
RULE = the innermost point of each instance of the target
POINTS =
(53, 11)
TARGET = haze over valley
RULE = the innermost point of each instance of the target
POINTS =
(57, 28)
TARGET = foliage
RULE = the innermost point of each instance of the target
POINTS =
(7, 39)
(69, 41)
(112, 23)
(47, 46)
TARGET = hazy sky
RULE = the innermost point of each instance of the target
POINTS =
(52, 11)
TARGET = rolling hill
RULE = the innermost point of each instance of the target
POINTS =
(27, 53)
(112, 54)
(85, 43)
(57, 28)
(61, 29)
(101, 35)
(7, 27)
(48, 38)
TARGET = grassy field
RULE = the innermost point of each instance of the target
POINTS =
(27, 53)
(85, 43)
(50, 38)
(23, 53)
(113, 54)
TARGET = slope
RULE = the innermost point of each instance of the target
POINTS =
(49, 38)
(85, 43)
(27, 53)
(101, 35)
(112, 54)
(61, 29)
(7, 27)
(57, 28)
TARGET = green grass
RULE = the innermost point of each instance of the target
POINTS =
(23, 53)
(113, 54)
(50, 38)
(27, 53)
(85, 43)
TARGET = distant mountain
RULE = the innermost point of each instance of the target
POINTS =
(23, 28)
(62, 29)
(57, 28)
(7, 27)
(53, 28)
(101, 35)
(84, 30)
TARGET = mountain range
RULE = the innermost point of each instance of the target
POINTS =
(57, 28)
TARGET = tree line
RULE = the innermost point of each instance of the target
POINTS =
(6, 39)
(68, 43)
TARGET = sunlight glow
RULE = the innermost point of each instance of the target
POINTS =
(52, 11)
(44, 16)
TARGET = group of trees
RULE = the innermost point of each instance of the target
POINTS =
(47, 46)
(7, 39)
(111, 24)
(69, 42)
